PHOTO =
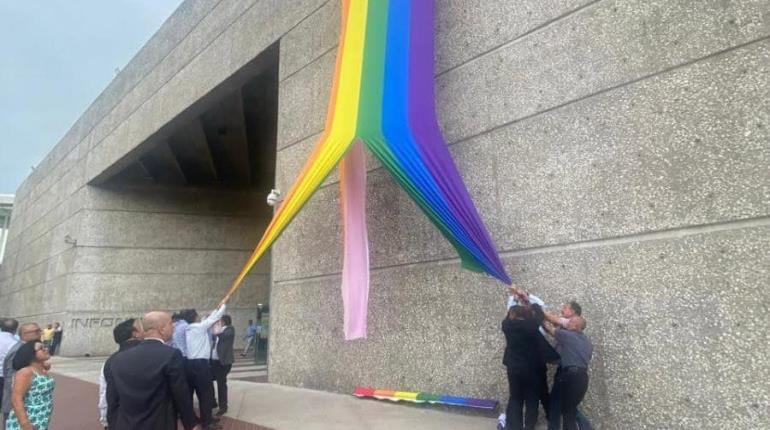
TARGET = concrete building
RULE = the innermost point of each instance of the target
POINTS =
(619, 153)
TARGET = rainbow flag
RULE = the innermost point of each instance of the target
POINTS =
(420, 397)
(382, 97)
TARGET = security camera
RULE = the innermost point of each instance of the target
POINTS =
(274, 197)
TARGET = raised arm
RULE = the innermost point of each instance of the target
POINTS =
(214, 317)
(550, 329)
(552, 318)
(516, 295)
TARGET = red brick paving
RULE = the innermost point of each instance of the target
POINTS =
(75, 408)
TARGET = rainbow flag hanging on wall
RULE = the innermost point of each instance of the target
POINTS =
(382, 97)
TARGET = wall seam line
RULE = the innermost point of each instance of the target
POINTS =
(580, 99)
(674, 233)
(518, 38)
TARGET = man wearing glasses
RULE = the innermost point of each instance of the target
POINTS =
(29, 332)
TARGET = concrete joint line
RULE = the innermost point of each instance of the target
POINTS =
(35, 285)
(85, 209)
(52, 227)
(45, 260)
(674, 233)
(612, 88)
(211, 274)
(308, 64)
(519, 37)
(166, 248)
(191, 214)
(300, 140)
(573, 101)
(39, 315)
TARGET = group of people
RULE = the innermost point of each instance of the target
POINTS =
(26, 388)
(528, 326)
(164, 360)
(52, 337)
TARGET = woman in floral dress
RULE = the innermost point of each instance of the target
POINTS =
(32, 395)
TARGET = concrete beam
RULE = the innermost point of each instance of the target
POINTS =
(193, 153)
(225, 128)
(162, 164)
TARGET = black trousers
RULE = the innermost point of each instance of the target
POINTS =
(572, 386)
(220, 375)
(201, 382)
(2, 383)
(522, 386)
(55, 345)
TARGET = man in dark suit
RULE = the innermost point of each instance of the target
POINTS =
(522, 360)
(222, 358)
(127, 335)
(146, 385)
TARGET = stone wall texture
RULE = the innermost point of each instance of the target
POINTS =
(619, 152)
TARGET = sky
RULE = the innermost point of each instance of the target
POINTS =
(56, 57)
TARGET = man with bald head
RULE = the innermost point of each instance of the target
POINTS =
(146, 385)
(571, 379)
(29, 332)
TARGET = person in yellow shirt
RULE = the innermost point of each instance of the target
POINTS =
(48, 333)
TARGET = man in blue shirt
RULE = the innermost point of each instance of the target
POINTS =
(251, 332)
(179, 339)
(8, 329)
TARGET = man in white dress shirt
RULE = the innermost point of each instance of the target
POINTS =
(198, 339)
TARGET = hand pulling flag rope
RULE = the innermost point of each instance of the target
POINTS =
(382, 96)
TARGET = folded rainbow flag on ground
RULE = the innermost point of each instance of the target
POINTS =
(440, 399)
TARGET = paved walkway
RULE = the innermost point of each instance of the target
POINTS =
(255, 406)
(244, 369)
(75, 408)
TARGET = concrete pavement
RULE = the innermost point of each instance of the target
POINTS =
(279, 407)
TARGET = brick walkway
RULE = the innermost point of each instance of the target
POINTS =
(75, 407)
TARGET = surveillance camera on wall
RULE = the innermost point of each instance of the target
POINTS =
(274, 197)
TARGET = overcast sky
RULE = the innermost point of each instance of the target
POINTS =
(56, 56)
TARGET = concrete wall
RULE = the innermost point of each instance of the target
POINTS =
(137, 249)
(123, 236)
(618, 152)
